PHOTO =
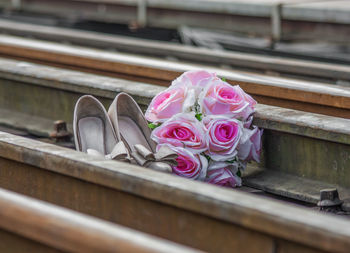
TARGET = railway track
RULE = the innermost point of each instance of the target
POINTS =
(290, 93)
(32, 97)
(303, 153)
(293, 19)
(313, 69)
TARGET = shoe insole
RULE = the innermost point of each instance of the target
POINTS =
(91, 132)
(131, 133)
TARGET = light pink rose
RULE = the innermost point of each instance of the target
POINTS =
(223, 174)
(220, 98)
(189, 165)
(182, 130)
(195, 78)
(222, 137)
(170, 102)
(250, 145)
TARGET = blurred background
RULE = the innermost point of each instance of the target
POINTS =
(309, 29)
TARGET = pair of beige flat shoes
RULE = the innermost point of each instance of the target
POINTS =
(121, 134)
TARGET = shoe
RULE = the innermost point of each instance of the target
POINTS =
(93, 130)
(131, 127)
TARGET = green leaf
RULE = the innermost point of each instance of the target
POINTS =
(239, 173)
(235, 159)
(199, 116)
(223, 79)
(206, 156)
(153, 126)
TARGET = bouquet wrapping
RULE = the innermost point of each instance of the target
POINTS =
(208, 123)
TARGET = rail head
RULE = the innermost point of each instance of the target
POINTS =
(312, 125)
(264, 215)
(70, 231)
(164, 71)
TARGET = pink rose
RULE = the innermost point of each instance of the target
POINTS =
(223, 174)
(195, 78)
(189, 165)
(170, 102)
(182, 130)
(223, 136)
(220, 98)
(250, 145)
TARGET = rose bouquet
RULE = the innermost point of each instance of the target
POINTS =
(208, 123)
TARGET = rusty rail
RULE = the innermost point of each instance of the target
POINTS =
(29, 225)
(289, 93)
(324, 72)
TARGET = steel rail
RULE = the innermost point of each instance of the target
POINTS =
(308, 69)
(289, 93)
(30, 225)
